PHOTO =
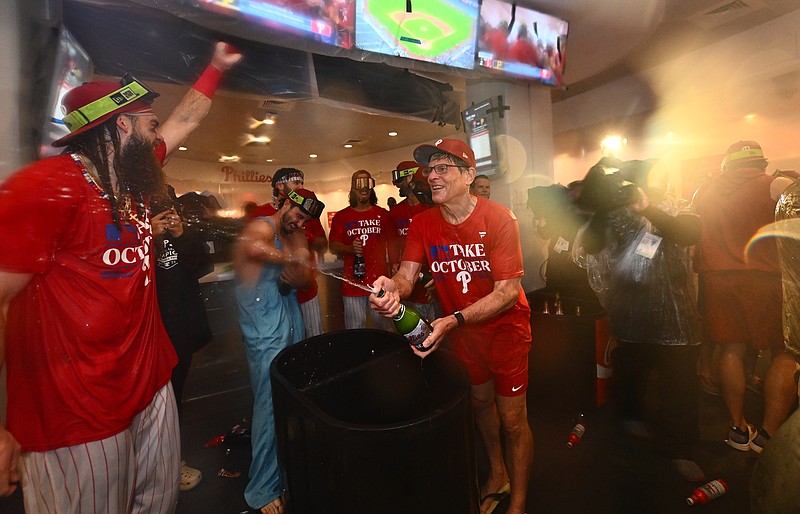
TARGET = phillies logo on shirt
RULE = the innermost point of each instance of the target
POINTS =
(127, 250)
(460, 261)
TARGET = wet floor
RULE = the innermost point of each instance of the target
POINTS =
(605, 473)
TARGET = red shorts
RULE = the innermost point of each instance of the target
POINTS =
(484, 362)
(742, 307)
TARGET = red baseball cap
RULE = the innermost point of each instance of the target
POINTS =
(408, 169)
(741, 152)
(454, 147)
(118, 99)
(307, 201)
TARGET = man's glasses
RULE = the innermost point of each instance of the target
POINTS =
(440, 169)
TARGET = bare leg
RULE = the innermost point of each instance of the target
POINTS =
(732, 380)
(779, 391)
(519, 447)
(488, 423)
(708, 367)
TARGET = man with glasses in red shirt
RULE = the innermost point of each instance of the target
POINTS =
(473, 248)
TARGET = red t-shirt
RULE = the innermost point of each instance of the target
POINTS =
(399, 220)
(313, 229)
(85, 345)
(372, 226)
(732, 208)
(266, 209)
(467, 259)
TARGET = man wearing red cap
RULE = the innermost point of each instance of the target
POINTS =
(88, 358)
(740, 284)
(270, 259)
(283, 181)
(361, 231)
(408, 178)
(473, 248)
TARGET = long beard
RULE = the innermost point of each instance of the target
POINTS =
(138, 171)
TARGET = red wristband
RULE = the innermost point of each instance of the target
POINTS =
(208, 81)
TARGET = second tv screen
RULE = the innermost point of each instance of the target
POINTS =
(531, 44)
(438, 31)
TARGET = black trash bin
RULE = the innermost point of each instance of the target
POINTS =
(365, 426)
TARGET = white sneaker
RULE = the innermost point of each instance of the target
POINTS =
(190, 477)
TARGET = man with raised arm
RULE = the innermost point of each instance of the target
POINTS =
(270, 259)
(90, 404)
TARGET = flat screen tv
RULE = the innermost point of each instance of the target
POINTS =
(482, 137)
(522, 42)
(72, 67)
(330, 22)
(437, 31)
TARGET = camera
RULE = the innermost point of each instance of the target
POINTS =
(611, 184)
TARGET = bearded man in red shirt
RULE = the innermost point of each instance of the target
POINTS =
(90, 405)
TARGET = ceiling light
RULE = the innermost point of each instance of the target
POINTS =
(312, 155)
(392, 133)
(348, 145)
(270, 160)
(182, 148)
(612, 144)
(269, 118)
(229, 158)
(750, 117)
(257, 139)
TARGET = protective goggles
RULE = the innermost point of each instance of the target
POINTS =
(360, 183)
(131, 91)
(398, 175)
(310, 206)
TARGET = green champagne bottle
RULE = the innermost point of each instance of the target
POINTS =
(411, 325)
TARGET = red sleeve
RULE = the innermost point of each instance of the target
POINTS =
(394, 243)
(338, 228)
(37, 206)
(505, 255)
(313, 230)
(161, 151)
(414, 250)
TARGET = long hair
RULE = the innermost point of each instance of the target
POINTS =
(93, 144)
(136, 168)
(373, 198)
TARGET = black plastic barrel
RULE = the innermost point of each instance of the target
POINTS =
(365, 426)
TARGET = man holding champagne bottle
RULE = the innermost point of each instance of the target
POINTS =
(473, 248)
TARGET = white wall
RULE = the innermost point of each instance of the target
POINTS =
(329, 180)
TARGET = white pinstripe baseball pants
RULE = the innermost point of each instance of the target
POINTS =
(135, 471)
(312, 317)
(355, 314)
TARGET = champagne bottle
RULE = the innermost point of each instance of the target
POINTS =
(411, 325)
(359, 267)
